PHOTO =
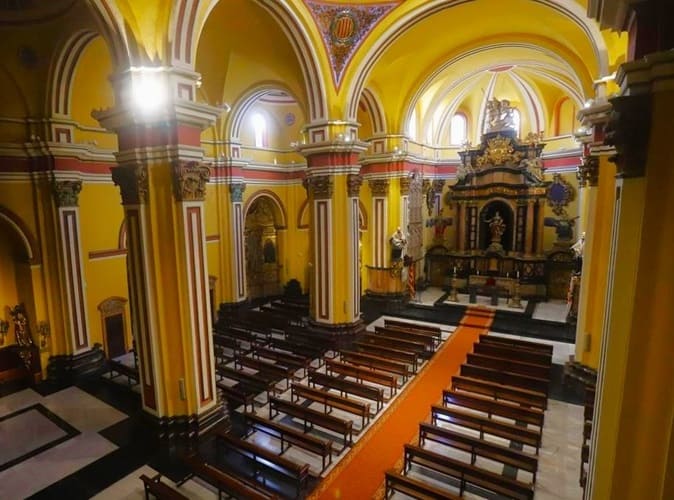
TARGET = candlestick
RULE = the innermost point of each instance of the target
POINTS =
(454, 269)
(518, 275)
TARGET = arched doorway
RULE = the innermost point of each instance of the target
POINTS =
(263, 277)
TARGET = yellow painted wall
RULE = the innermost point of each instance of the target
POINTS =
(9, 295)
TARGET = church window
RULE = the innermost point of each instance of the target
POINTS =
(458, 129)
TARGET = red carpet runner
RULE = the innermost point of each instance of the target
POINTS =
(361, 473)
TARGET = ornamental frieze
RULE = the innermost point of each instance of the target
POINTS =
(379, 187)
(236, 191)
(353, 183)
(133, 183)
(189, 181)
(66, 193)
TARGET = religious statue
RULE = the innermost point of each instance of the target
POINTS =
(499, 115)
(21, 332)
(496, 227)
(578, 248)
(563, 227)
(398, 244)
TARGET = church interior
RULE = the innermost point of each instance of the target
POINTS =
(336, 249)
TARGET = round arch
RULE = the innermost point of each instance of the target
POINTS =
(28, 241)
(280, 215)
(374, 108)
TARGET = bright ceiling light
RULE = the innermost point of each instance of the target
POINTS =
(149, 91)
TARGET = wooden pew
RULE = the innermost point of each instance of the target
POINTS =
(506, 378)
(311, 337)
(413, 326)
(277, 371)
(344, 386)
(428, 342)
(239, 395)
(486, 425)
(162, 491)
(436, 336)
(407, 357)
(289, 436)
(233, 485)
(395, 481)
(375, 363)
(498, 392)
(478, 447)
(130, 372)
(360, 374)
(467, 474)
(284, 358)
(331, 400)
(312, 417)
(402, 344)
(509, 365)
(300, 348)
(517, 343)
(262, 458)
(504, 351)
(261, 384)
(491, 407)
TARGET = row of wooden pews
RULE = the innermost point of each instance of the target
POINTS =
(490, 415)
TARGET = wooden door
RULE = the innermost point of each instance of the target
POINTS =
(114, 330)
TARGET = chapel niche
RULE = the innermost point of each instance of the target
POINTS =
(261, 248)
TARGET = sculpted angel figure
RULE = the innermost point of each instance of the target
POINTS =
(496, 227)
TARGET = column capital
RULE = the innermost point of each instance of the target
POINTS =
(628, 131)
(405, 185)
(236, 190)
(321, 186)
(353, 183)
(66, 193)
(189, 180)
(587, 172)
(133, 183)
(379, 187)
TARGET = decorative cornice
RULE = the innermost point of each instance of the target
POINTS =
(588, 172)
(321, 187)
(379, 187)
(353, 183)
(189, 180)
(405, 185)
(66, 193)
(133, 183)
(629, 130)
(236, 190)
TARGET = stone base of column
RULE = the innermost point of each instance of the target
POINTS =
(190, 427)
(342, 334)
(69, 368)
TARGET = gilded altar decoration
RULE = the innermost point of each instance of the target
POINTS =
(66, 193)
(236, 190)
(133, 183)
(343, 28)
(189, 181)
(21, 328)
(560, 194)
(353, 183)
(500, 115)
(499, 151)
(321, 186)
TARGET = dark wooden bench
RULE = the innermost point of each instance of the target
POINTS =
(315, 352)
(517, 344)
(430, 331)
(498, 391)
(238, 395)
(510, 365)
(312, 418)
(289, 436)
(491, 407)
(504, 351)
(395, 481)
(407, 357)
(285, 358)
(261, 384)
(162, 491)
(478, 447)
(262, 458)
(239, 333)
(130, 372)
(486, 425)
(428, 341)
(506, 378)
(467, 473)
(233, 485)
(311, 337)
(361, 374)
(402, 344)
(331, 400)
(375, 363)
(273, 370)
(344, 387)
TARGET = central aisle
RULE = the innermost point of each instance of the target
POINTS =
(361, 473)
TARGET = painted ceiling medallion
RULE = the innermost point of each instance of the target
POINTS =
(344, 27)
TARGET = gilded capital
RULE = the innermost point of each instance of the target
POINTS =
(379, 187)
(66, 193)
(133, 183)
(588, 172)
(405, 185)
(236, 191)
(189, 180)
(321, 187)
(353, 183)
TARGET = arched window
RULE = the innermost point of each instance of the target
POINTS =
(260, 128)
(458, 129)
(516, 120)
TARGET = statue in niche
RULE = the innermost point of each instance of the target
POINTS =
(20, 317)
(497, 228)
(499, 115)
(398, 244)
